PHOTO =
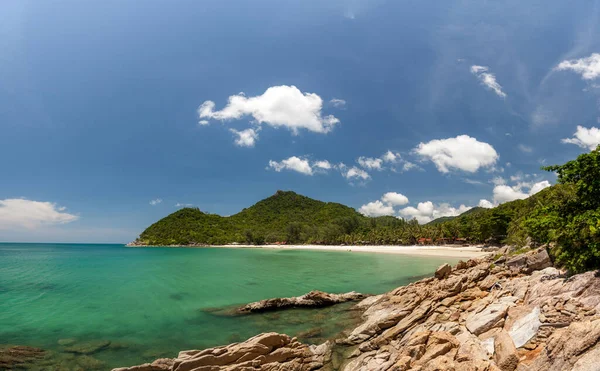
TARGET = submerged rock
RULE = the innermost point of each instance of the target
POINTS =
(314, 299)
(19, 357)
(88, 347)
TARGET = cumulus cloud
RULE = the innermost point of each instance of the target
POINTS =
(245, 138)
(390, 156)
(337, 103)
(462, 153)
(488, 79)
(293, 163)
(279, 106)
(203, 122)
(428, 211)
(370, 163)
(355, 173)
(324, 164)
(505, 193)
(376, 208)
(585, 138)
(385, 206)
(155, 201)
(394, 199)
(29, 214)
(485, 204)
(588, 67)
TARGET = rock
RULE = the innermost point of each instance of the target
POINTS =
(314, 299)
(478, 323)
(161, 364)
(525, 328)
(537, 260)
(18, 357)
(443, 271)
(88, 347)
(589, 361)
(66, 342)
(505, 353)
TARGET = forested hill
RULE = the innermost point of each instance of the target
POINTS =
(566, 215)
(285, 216)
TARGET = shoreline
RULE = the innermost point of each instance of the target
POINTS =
(449, 251)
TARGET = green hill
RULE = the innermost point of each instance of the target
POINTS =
(285, 216)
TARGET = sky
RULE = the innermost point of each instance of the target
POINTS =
(114, 114)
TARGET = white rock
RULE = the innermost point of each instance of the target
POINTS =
(525, 328)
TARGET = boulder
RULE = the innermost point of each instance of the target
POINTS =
(537, 260)
(490, 317)
(443, 271)
(505, 353)
(525, 328)
(314, 299)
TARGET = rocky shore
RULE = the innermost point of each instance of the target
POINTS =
(495, 313)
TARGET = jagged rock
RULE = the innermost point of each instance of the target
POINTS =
(537, 260)
(161, 364)
(443, 271)
(478, 323)
(525, 328)
(505, 353)
(314, 299)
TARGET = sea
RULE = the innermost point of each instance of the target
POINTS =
(94, 306)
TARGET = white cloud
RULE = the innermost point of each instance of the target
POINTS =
(337, 103)
(498, 180)
(370, 163)
(525, 149)
(485, 204)
(427, 211)
(505, 193)
(245, 138)
(390, 156)
(203, 122)
(588, 67)
(28, 214)
(293, 163)
(394, 199)
(539, 186)
(376, 208)
(355, 172)
(324, 165)
(279, 106)
(488, 79)
(585, 138)
(179, 204)
(462, 153)
(155, 202)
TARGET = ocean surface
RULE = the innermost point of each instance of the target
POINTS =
(152, 302)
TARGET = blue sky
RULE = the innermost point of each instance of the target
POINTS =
(408, 108)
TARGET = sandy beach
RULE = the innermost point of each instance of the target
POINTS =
(446, 251)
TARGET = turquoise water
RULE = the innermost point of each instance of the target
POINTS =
(152, 302)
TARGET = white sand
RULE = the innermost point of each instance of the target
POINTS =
(445, 251)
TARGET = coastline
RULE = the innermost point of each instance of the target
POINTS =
(450, 251)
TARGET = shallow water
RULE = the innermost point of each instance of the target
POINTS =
(153, 302)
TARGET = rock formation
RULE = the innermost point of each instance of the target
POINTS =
(314, 299)
(519, 315)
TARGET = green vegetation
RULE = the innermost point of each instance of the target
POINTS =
(566, 215)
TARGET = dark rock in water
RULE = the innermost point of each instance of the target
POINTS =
(90, 363)
(314, 299)
(88, 347)
(19, 357)
(66, 342)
